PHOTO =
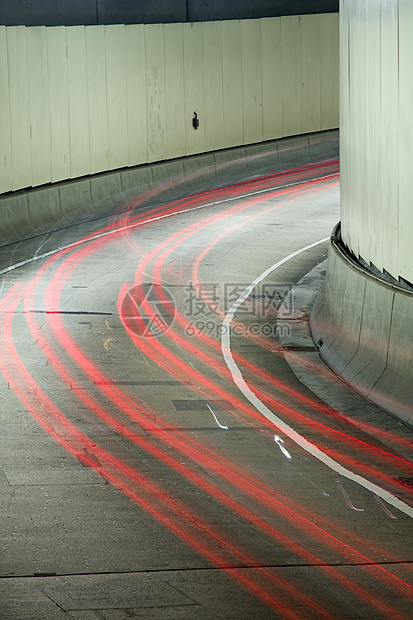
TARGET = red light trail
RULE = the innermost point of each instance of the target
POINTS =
(272, 513)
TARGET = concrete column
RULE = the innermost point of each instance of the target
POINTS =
(377, 133)
(363, 319)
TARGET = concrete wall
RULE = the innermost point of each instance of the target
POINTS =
(77, 101)
(362, 323)
(101, 12)
(37, 211)
(363, 327)
(377, 133)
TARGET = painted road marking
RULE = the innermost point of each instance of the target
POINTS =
(278, 422)
(216, 419)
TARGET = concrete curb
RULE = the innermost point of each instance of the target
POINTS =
(33, 212)
(363, 328)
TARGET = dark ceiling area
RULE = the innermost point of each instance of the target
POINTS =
(92, 12)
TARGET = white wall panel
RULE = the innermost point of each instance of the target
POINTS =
(291, 75)
(78, 101)
(213, 85)
(155, 92)
(348, 193)
(251, 38)
(360, 121)
(377, 133)
(82, 100)
(175, 118)
(357, 130)
(39, 105)
(58, 101)
(5, 121)
(271, 78)
(405, 139)
(136, 94)
(97, 101)
(116, 96)
(389, 152)
(310, 73)
(345, 188)
(193, 88)
(19, 108)
(232, 82)
(329, 58)
(374, 204)
(358, 133)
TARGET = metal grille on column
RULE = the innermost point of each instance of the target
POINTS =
(377, 132)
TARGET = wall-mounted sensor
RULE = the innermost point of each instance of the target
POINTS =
(195, 121)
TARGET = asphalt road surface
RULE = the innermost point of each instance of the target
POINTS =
(171, 444)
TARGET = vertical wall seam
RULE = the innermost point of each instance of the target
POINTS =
(7, 63)
(320, 121)
(242, 81)
(262, 79)
(203, 79)
(165, 129)
(398, 134)
(12, 174)
(222, 82)
(300, 76)
(261, 86)
(387, 347)
(65, 29)
(362, 305)
(281, 80)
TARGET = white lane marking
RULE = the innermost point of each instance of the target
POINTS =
(278, 422)
(216, 419)
(386, 510)
(150, 220)
(347, 497)
(280, 441)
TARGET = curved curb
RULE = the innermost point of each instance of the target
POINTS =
(363, 328)
(29, 213)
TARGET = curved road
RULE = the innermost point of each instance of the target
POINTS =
(160, 458)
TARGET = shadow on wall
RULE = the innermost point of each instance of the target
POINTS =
(95, 12)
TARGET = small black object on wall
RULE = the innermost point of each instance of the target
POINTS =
(195, 121)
